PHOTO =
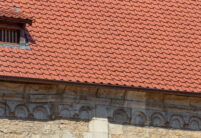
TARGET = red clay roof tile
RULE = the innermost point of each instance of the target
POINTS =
(11, 15)
(150, 44)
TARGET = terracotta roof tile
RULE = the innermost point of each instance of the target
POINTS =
(11, 14)
(150, 44)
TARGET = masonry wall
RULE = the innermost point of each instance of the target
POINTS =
(65, 111)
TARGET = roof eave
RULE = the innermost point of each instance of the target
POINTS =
(46, 81)
(16, 20)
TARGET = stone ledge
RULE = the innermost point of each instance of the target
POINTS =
(49, 102)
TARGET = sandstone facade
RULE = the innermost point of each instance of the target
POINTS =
(64, 111)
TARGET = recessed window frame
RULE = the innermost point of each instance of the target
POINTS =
(10, 36)
(21, 42)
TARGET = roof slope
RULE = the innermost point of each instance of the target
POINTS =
(10, 14)
(141, 43)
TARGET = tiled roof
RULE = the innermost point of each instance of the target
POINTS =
(12, 15)
(135, 43)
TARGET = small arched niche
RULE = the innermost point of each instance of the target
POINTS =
(120, 116)
(85, 113)
(4, 110)
(176, 122)
(40, 113)
(139, 118)
(65, 113)
(157, 120)
(21, 111)
(195, 123)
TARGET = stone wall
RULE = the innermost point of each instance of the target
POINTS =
(16, 128)
(60, 111)
(129, 131)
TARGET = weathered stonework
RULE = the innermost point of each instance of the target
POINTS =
(60, 111)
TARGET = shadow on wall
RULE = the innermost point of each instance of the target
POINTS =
(50, 112)
(29, 37)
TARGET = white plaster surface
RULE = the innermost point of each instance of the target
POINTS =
(98, 128)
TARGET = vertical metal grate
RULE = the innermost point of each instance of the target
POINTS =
(10, 36)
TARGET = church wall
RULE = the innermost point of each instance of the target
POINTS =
(59, 111)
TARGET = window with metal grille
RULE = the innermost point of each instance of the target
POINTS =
(10, 36)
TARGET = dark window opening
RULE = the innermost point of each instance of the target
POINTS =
(10, 36)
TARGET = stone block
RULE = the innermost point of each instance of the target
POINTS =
(57, 135)
(111, 93)
(35, 136)
(68, 135)
(175, 100)
(96, 135)
(116, 129)
(152, 99)
(100, 135)
(41, 89)
(11, 88)
(80, 90)
(43, 98)
(98, 125)
(87, 135)
(195, 102)
(135, 95)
